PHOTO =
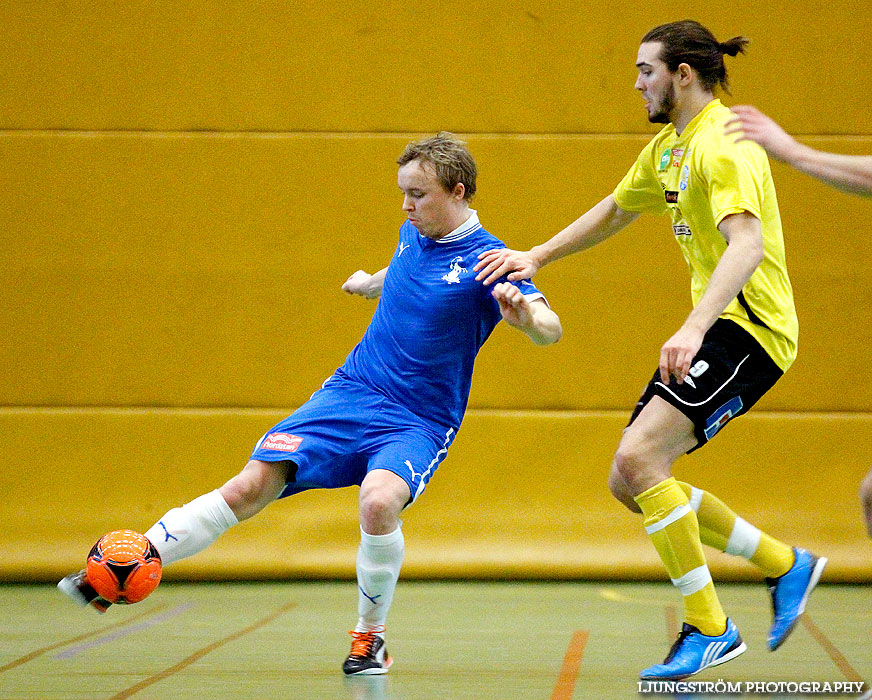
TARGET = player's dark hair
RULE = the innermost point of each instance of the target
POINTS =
(689, 42)
(450, 159)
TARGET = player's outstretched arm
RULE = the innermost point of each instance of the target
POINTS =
(852, 174)
(365, 284)
(596, 225)
(534, 318)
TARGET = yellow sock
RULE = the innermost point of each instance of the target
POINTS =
(721, 528)
(672, 526)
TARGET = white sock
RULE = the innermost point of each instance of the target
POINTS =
(379, 559)
(193, 527)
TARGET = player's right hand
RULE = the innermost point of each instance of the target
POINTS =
(678, 353)
(361, 283)
(750, 124)
(493, 264)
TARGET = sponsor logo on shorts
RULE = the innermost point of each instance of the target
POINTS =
(681, 230)
(722, 416)
(282, 442)
(698, 369)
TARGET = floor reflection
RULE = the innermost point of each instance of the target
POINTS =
(368, 687)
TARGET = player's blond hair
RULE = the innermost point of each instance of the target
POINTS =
(449, 158)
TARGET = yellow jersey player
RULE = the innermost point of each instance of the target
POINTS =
(734, 345)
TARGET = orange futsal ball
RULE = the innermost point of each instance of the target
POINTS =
(123, 567)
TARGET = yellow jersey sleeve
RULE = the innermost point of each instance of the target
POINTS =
(640, 190)
(734, 175)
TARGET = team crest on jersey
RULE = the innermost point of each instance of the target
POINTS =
(685, 178)
(457, 269)
(282, 442)
(664, 159)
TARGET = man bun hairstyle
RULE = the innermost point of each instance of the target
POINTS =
(450, 159)
(734, 46)
(689, 42)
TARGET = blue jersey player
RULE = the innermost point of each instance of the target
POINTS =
(386, 418)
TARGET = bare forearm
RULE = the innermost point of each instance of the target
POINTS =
(378, 280)
(733, 271)
(545, 328)
(364, 284)
(599, 223)
(852, 174)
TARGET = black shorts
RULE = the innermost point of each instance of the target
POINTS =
(729, 374)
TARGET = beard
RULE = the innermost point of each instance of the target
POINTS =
(667, 104)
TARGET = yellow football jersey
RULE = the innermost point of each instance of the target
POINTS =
(699, 178)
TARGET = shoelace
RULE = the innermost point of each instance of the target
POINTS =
(362, 643)
(676, 645)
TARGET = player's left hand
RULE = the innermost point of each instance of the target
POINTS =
(514, 307)
(676, 355)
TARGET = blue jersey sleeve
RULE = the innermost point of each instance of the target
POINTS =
(530, 291)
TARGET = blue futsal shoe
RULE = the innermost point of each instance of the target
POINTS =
(790, 593)
(693, 651)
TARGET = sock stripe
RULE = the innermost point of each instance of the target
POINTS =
(744, 539)
(695, 498)
(676, 514)
(693, 581)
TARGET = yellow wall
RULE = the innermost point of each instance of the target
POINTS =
(184, 189)
(522, 493)
(517, 67)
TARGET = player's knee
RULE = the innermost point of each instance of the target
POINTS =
(378, 513)
(629, 464)
(620, 491)
(866, 500)
(255, 487)
(641, 461)
(866, 488)
(380, 508)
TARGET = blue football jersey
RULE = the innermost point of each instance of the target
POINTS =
(431, 320)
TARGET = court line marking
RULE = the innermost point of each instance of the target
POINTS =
(93, 633)
(118, 634)
(197, 655)
(571, 662)
(838, 657)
